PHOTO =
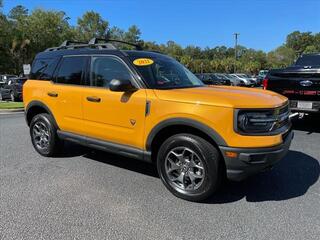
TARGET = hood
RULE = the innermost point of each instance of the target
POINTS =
(224, 96)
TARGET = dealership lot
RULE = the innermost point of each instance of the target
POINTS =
(87, 194)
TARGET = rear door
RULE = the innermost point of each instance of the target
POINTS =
(67, 92)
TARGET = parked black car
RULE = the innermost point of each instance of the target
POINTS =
(12, 89)
(4, 78)
(300, 83)
(213, 79)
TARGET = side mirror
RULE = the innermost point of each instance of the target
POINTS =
(121, 86)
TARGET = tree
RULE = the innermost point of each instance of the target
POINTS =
(18, 12)
(116, 33)
(91, 25)
(299, 41)
(133, 34)
(281, 57)
(311, 49)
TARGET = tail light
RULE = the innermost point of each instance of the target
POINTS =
(265, 83)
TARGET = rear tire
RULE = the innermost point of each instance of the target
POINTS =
(44, 135)
(189, 167)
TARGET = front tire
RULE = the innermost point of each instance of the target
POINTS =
(44, 135)
(189, 167)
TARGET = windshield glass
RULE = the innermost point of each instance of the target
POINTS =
(222, 76)
(308, 60)
(166, 73)
(242, 75)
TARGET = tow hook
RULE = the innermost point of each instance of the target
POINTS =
(295, 115)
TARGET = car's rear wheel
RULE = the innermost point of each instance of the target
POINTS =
(189, 167)
(44, 135)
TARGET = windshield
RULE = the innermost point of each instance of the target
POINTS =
(242, 75)
(222, 77)
(308, 60)
(166, 73)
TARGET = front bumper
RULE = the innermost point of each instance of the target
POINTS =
(249, 161)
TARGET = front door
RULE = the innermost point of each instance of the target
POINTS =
(116, 117)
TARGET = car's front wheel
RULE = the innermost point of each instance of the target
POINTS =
(189, 167)
(44, 135)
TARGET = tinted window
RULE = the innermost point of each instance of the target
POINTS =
(104, 69)
(308, 60)
(70, 71)
(38, 67)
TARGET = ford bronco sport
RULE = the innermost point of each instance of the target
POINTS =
(147, 106)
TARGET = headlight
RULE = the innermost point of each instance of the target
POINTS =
(256, 122)
(262, 122)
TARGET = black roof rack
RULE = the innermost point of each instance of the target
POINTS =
(69, 42)
(97, 40)
(93, 43)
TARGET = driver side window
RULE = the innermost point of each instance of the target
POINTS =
(104, 69)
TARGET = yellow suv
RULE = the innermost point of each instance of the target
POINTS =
(146, 105)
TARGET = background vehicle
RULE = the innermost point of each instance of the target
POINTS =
(252, 80)
(12, 89)
(247, 82)
(262, 74)
(214, 79)
(300, 83)
(234, 80)
(4, 78)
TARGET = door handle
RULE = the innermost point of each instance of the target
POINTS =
(94, 99)
(52, 94)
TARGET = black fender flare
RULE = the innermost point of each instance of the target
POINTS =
(216, 137)
(37, 103)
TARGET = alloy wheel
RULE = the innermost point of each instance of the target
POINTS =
(41, 135)
(184, 169)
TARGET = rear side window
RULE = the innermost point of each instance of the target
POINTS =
(308, 60)
(71, 70)
(42, 69)
(105, 69)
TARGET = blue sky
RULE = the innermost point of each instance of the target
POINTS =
(262, 24)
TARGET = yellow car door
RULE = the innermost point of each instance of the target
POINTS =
(116, 117)
(67, 91)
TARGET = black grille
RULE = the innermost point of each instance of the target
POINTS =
(282, 114)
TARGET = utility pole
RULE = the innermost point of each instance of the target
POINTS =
(236, 50)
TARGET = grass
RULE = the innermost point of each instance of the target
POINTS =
(11, 105)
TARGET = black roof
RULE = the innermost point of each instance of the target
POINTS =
(89, 51)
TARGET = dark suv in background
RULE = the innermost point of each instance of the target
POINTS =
(300, 83)
(12, 89)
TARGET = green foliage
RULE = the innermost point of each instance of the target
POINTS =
(281, 57)
(303, 42)
(24, 34)
(11, 105)
(91, 25)
(18, 12)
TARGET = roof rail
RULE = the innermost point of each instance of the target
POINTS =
(69, 42)
(106, 40)
(93, 43)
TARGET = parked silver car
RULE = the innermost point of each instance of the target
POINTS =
(243, 77)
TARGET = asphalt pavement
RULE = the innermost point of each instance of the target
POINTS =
(87, 194)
